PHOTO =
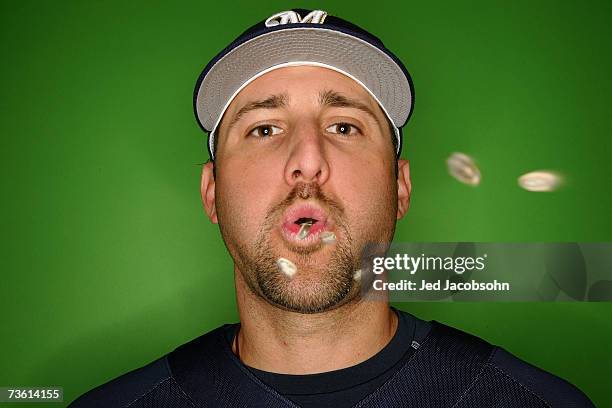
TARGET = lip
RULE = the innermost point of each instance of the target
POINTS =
(290, 229)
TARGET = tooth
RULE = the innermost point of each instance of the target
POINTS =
(357, 274)
(328, 237)
(286, 266)
(304, 228)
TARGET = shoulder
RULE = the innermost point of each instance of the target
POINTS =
(505, 380)
(159, 380)
(126, 389)
(553, 390)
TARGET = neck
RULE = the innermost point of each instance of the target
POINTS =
(276, 340)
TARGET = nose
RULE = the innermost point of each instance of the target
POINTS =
(307, 161)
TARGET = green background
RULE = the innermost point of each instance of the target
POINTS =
(107, 258)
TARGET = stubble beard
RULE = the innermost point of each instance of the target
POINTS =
(316, 287)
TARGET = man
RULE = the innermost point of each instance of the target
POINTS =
(304, 112)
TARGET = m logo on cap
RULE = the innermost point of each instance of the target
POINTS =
(290, 17)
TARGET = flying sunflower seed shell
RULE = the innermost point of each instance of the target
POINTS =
(462, 168)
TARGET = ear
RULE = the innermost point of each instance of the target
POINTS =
(207, 189)
(404, 187)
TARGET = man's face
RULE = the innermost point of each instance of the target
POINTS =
(304, 144)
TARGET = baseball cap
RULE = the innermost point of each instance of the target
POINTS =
(304, 37)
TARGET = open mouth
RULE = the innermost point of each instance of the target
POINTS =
(304, 222)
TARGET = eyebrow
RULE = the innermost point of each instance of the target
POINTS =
(271, 102)
(335, 99)
(326, 98)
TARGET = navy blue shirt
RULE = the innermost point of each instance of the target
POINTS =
(345, 387)
(426, 364)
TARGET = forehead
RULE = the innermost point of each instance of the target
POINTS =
(301, 83)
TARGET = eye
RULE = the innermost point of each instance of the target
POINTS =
(265, 131)
(345, 129)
